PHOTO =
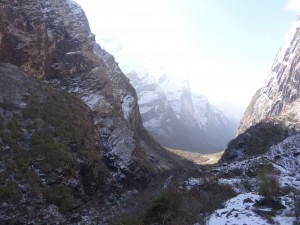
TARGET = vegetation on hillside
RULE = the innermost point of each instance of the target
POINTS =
(49, 150)
(176, 205)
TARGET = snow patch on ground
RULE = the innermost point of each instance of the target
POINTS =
(193, 182)
(238, 210)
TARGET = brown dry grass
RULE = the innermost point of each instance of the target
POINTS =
(198, 158)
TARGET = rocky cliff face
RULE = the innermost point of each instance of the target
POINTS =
(52, 41)
(179, 119)
(266, 148)
(49, 159)
(272, 114)
(282, 84)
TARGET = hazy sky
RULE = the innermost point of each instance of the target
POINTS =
(224, 47)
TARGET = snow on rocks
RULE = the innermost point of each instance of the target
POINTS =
(92, 100)
(286, 155)
(168, 181)
(242, 209)
(193, 182)
(239, 211)
(127, 105)
(281, 89)
(235, 183)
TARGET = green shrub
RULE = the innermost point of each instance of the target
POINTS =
(206, 199)
(2, 126)
(15, 128)
(22, 161)
(66, 204)
(247, 185)
(177, 207)
(33, 109)
(296, 198)
(160, 210)
(263, 136)
(9, 192)
(268, 184)
(12, 132)
(60, 195)
(34, 181)
(167, 201)
(6, 137)
(50, 155)
(131, 219)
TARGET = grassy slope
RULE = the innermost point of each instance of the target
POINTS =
(198, 158)
(50, 151)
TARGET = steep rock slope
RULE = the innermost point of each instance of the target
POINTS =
(266, 151)
(52, 40)
(177, 118)
(155, 110)
(282, 84)
(272, 114)
(49, 161)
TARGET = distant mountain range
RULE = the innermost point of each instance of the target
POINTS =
(178, 118)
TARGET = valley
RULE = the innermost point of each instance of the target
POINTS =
(82, 139)
(198, 158)
(176, 117)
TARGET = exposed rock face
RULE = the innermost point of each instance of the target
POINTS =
(52, 40)
(179, 119)
(74, 145)
(273, 113)
(282, 86)
(269, 138)
(49, 159)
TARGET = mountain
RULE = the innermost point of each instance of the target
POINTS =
(49, 151)
(272, 114)
(177, 118)
(280, 94)
(73, 149)
(71, 132)
(262, 162)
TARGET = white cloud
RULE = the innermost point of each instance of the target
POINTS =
(293, 5)
(141, 32)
